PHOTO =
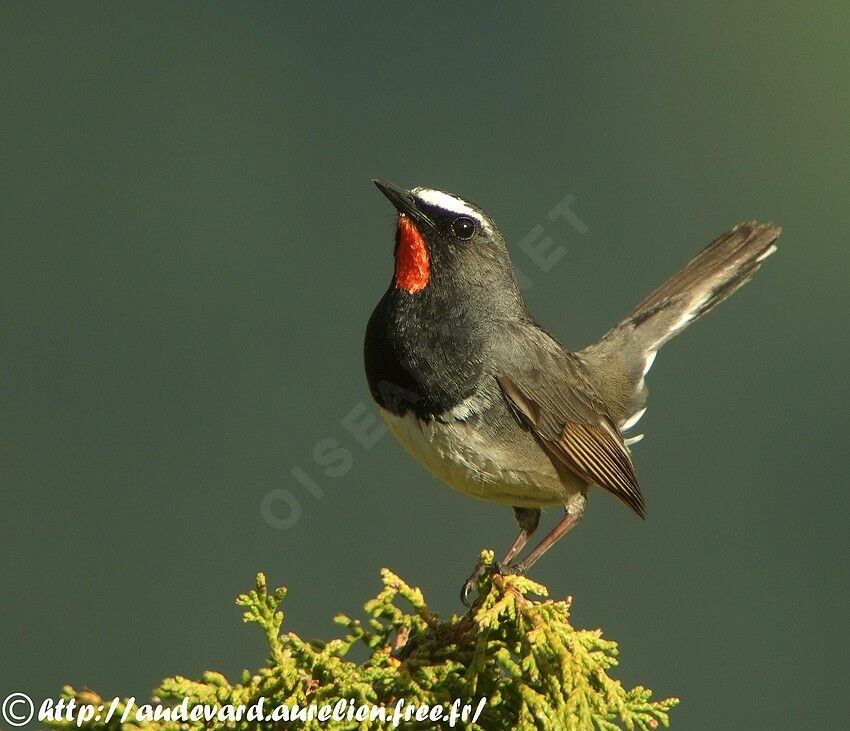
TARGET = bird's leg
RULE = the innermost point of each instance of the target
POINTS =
(574, 513)
(528, 520)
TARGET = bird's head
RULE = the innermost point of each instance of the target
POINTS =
(445, 241)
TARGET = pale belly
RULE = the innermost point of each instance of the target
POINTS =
(517, 474)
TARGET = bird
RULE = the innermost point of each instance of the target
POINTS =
(493, 405)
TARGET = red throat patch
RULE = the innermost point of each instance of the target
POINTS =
(412, 261)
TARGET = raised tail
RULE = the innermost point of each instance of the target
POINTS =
(710, 277)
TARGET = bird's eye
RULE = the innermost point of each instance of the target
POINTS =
(463, 227)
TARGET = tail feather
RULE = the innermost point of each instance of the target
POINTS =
(627, 352)
(710, 277)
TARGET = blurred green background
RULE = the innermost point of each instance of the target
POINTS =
(192, 247)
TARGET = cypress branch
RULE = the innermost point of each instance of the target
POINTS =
(522, 654)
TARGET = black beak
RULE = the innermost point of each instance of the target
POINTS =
(404, 202)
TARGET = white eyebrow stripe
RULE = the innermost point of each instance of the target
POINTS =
(451, 204)
(445, 201)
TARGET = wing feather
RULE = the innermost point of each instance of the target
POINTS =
(575, 429)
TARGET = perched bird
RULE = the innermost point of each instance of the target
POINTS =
(491, 403)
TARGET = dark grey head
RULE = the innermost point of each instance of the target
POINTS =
(447, 243)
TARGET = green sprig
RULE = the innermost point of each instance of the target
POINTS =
(515, 648)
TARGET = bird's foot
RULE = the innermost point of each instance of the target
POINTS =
(471, 584)
(483, 569)
(518, 568)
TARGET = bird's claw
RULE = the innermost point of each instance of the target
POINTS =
(471, 584)
(482, 569)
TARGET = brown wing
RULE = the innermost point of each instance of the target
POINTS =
(573, 424)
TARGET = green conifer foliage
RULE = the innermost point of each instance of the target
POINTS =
(520, 653)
